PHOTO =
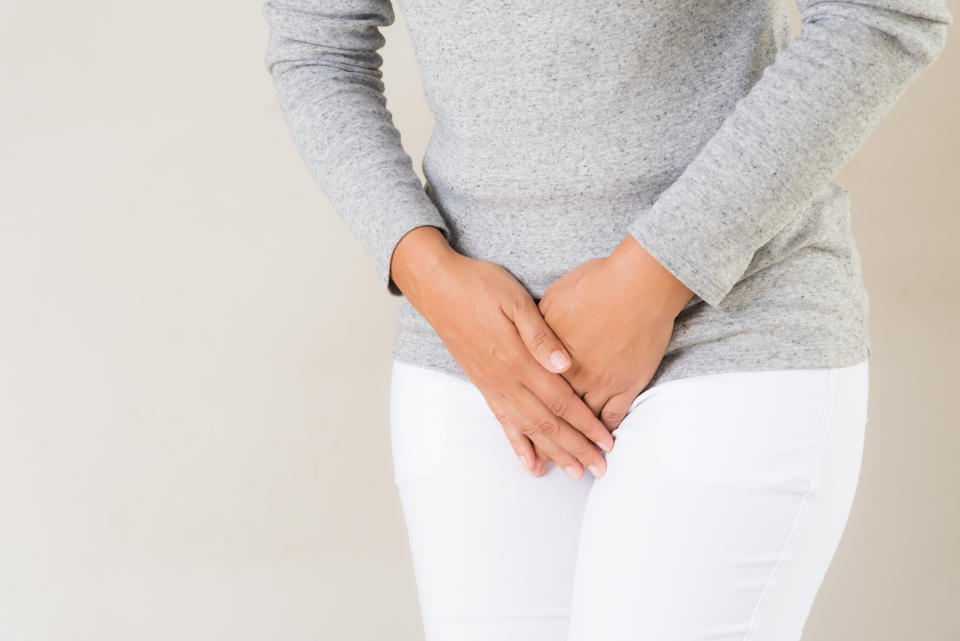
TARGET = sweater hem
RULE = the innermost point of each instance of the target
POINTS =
(691, 361)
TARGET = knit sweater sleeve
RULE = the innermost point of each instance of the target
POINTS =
(787, 136)
(322, 56)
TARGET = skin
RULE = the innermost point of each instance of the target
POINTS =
(616, 353)
(547, 402)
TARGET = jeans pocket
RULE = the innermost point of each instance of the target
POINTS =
(419, 417)
(754, 431)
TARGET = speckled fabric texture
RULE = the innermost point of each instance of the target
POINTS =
(701, 128)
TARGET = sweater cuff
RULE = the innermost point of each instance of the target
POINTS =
(708, 270)
(420, 211)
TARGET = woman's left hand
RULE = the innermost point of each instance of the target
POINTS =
(615, 316)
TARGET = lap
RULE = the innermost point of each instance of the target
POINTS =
(723, 503)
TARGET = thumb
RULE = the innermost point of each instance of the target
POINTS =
(616, 409)
(538, 337)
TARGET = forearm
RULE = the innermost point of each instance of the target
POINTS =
(783, 141)
(324, 61)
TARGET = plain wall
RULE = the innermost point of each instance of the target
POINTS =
(195, 352)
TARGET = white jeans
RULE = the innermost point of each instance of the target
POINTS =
(724, 501)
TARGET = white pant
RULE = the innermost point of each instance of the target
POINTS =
(724, 501)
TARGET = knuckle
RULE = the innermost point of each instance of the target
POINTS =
(559, 406)
(515, 303)
(547, 427)
(612, 416)
(522, 300)
(527, 429)
(540, 338)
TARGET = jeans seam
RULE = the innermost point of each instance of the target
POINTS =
(814, 480)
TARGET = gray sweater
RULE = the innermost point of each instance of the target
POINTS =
(701, 128)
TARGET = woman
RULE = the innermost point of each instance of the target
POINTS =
(629, 228)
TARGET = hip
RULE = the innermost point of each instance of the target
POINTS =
(746, 429)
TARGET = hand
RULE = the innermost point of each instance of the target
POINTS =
(615, 315)
(494, 331)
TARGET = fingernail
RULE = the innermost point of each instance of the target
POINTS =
(523, 460)
(539, 468)
(571, 472)
(559, 360)
(605, 447)
(596, 471)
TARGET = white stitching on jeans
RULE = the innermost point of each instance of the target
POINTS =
(814, 479)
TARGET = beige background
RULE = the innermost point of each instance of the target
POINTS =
(195, 353)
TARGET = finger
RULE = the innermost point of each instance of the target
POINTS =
(542, 460)
(522, 446)
(537, 336)
(595, 400)
(615, 410)
(539, 421)
(545, 448)
(564, 460)
(563, 401)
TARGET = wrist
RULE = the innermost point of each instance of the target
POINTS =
(631, 261)
(416, 259)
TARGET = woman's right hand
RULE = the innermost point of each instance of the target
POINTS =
(496, 333)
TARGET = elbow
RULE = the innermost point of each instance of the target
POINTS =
(918, 30)
(312, 34)
(929, 48)
(270, 57)
(935, 21)
(279, 56)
